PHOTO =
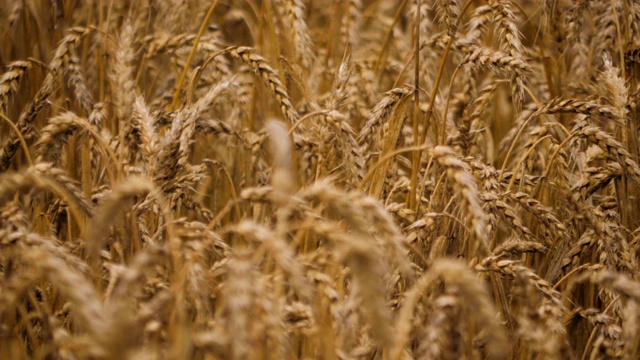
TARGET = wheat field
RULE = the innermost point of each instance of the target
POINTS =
(319, 179)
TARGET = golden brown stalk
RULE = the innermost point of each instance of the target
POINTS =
(183, 76)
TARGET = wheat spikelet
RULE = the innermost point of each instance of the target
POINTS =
(517, 247)
(509, 41)
(477, 25)
(543, 213)
(301, 39)
(616, 88)
(441, 334)
(25, 122)
(144, 122)
(10, 79)
(575, 18)
(270, 79)
(467, 136)
(122, 76)
(164, 43)
(594, 179)
(368, 274)
(448, 14)
(613, 149)
(63, 52)
(339, 145)
(56, 129)
(351, 22)
(459, 174)
(342, 90)
(124, 331)
(510, 217)
(496, 61)
(606, 39)
(576, 106)
(77, 82)
(369, 137)
(511, 268)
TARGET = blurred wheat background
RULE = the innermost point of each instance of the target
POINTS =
(319, 179)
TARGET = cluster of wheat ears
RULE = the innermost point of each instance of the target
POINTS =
(319, 179)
